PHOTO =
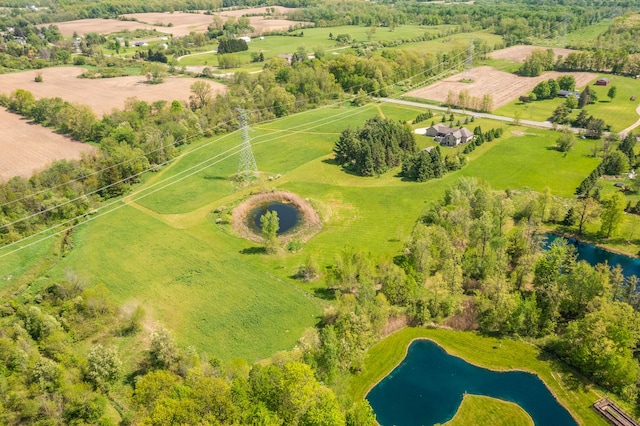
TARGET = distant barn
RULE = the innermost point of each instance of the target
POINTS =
(602, 82)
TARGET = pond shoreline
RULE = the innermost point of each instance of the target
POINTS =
(568, 235)
(531, 410)
(449, 353)
(573, 390)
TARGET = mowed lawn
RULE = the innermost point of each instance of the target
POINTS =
(619, 112)
(531, 161)
(215, 290)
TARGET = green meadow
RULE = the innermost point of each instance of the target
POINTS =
(619, 112)
(323, 39)
(582, 38)
(163, 249)
(488, 352)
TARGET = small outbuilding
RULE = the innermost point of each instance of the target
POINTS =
(602, 82)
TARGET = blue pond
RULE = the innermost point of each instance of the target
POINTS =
(288, 216)
(594, 255)
(428, 386)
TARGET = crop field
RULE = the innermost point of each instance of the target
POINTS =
(180, 24)
(520, 53)
(28, 147)
(177, 24)
(502, 86)
(103, 94)
(103, 26)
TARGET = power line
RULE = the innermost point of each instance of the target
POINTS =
(142, 190)
(194, 150)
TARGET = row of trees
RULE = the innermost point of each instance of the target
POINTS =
(617, 61)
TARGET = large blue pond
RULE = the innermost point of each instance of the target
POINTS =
(594, 255)
(428, 386)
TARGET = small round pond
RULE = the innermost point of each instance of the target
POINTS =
(428, 387)
(288, 216)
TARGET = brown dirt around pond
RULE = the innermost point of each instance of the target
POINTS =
(311, 222)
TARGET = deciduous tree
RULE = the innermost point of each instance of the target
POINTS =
(612, 214)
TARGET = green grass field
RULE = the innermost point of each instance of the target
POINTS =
(483, 410)
(215, 289)
(582, 38)
(620, 112)
(531, 161)
(487, 352)
(317, 39)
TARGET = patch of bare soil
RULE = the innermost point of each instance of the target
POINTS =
(310, 225)
(520, 53)
(184, 23)
(503, 87)
(102, 95)
(102, 26)
(26, 147)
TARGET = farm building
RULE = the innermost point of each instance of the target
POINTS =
(602, 82)
(449, 137)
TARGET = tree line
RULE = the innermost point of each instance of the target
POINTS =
(477, 260)
(60, 363)
(616, 61)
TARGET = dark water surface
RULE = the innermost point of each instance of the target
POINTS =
(428, 386)
(594, 255)
(288, 215)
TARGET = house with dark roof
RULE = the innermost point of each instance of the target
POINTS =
(567, 93)
(448, 136)
(602, 82)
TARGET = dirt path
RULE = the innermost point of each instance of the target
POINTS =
(624, 132)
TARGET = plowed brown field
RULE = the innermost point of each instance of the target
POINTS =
(103, 94)
(181, 23)
(520, 53)
(502, 86)
(27, 147)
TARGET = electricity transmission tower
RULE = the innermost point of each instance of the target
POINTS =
(247, 167)
(468, 63)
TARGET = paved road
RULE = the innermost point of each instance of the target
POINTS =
(540, 124)
(530, 123)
